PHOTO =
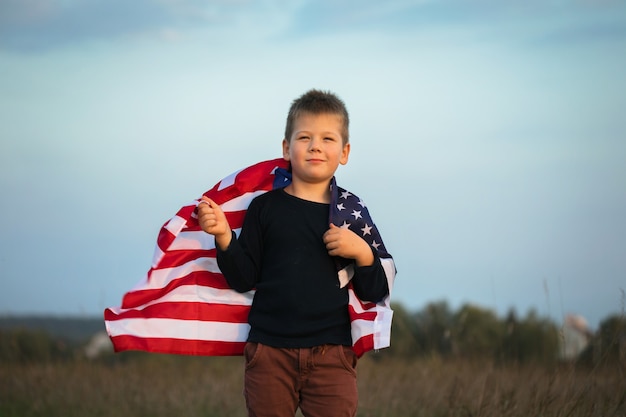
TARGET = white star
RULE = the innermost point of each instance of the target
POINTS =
(367, 230)
(356, 214)
(345, 195)
(345, 225)
(340, 207)
(362, 203)
(375, 245)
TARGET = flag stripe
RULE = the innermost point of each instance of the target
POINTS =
(364, 344)
(160, 278)
(188, 291)
(177, 346)
(180, 309)
(175, 258)
(183, 329)
(365, 315)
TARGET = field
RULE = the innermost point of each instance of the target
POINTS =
(138, 385)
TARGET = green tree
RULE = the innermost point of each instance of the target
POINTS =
(532, 339)
(433, 328)
(612, 341)
(23, 346)
(477, 332)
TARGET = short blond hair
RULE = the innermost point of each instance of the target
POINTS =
(318, 102)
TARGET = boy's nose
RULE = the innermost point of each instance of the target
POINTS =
(314, 144)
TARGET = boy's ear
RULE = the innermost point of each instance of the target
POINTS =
(285, 149)
(345, 152)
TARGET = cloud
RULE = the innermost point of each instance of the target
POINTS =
(530, 21)
(35, 25)
(607, 29)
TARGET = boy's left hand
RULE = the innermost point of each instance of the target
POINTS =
(347, 244)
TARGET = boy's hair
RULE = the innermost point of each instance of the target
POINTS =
(318, 102)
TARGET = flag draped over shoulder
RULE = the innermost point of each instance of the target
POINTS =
(184, 305)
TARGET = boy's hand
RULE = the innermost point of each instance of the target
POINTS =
(347, 244)
(213, 221)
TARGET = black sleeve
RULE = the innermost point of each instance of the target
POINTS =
(240, 263)
(370, 282)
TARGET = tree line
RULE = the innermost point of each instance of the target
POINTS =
(471, 332)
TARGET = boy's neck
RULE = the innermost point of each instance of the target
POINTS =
(316, 192)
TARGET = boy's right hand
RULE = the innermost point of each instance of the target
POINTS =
(213, 221)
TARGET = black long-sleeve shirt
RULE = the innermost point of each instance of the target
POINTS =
(281, 254)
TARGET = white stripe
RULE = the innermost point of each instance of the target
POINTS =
(360, 328)
(356, 304)
(382, 327)
(194, 294)
(159, 278)
(157, 256)
(179, 329)
(140, 285)
(228, 181)
(353, 300)
(175, 224)
(190, 240)
(390, 271)
(241, 202)
(194, 240)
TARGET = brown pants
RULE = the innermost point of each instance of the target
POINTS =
(320, 380)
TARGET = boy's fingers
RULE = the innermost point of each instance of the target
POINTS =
(204, 200)
(208, 202)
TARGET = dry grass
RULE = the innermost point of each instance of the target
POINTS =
(158, 385)
(438, 388)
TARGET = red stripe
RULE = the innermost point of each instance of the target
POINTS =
(366, 305)
(177, 346)
(366, 315)
(238, 189)
(249, 177)
(248, 181)
(174, 258)
(133, 299)
(364, 344)
(224, 313)
(186, 211)
(235, 218)
(165, 239)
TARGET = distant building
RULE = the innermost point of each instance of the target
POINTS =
(98, 345)
(575, 337)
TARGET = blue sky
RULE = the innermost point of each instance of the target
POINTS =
(488, 138)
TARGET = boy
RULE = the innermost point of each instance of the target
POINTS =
(299, 351)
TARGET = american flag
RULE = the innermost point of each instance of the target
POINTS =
(184, 306)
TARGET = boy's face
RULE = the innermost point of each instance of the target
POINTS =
(315, 148)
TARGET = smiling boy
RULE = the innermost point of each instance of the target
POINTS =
(299, 350)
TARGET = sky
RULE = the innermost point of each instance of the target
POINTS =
(488, 139)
